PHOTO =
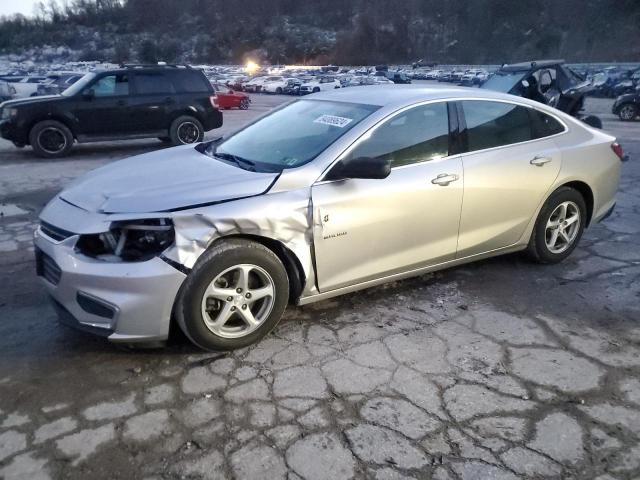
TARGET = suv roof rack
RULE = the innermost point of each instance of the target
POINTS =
(152, 65)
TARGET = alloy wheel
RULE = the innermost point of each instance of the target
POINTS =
(52, 140)
(628, 112)
(238, 301)
(188, 132)
(562, 227)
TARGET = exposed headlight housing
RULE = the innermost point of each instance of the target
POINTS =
(129, 241)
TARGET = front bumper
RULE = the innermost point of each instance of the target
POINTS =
(10, 131)
(126, 302)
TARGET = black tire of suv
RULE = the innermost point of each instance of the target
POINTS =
(52, 127)
(221, 256)
(182, 122)
(537, 248)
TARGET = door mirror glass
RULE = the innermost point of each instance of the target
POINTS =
(88, 94)
(361, 167)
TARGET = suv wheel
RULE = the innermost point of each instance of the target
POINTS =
(559, 226)
(234, 296)
(628, 112)
(185, 130)
(50, 139)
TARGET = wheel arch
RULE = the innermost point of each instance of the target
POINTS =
(291, 262)
(57, 118)
(587, 193)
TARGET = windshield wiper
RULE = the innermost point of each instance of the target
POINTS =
(239, 161)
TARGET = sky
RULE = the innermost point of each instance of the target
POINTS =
(7, 7)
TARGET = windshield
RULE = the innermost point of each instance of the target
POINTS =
(291, 136)
(504, 81)
(79, 85)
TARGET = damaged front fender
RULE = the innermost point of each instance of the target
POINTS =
(285, 217)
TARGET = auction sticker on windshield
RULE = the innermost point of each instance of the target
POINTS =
(333, 120)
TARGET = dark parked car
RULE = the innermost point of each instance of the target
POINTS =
(174, 103)
(627, 107)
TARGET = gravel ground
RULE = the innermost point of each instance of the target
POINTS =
(496, 370)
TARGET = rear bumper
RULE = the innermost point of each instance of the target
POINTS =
(124, 302)
(212, 120)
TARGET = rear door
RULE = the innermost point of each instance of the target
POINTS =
(155, 96)
(508, 171)
(366, 229)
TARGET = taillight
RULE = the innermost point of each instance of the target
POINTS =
(617, 149)
(214, 101)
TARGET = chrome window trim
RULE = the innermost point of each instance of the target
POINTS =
(320, 180)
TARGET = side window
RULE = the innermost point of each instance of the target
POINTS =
(149, 83)
(111, 85)
(190, 81)
(493, 124)
(416, 135)
(544, 125)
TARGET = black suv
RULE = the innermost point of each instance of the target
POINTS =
(177, 104)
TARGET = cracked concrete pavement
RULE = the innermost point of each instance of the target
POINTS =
(501, 369)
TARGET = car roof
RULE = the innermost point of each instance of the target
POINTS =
(400, 95)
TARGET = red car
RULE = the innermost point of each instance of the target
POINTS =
(229, 99)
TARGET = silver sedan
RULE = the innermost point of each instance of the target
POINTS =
(330, 194)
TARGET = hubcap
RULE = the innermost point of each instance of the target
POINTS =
(238, 301)
(627, 112)
(52, 140)
(562, 227)
(188, 132)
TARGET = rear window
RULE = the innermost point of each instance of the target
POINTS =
(494, 124)
(149, 83)
(190, 81)
(544, 125)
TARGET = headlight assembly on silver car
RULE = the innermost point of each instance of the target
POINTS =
(130, 241)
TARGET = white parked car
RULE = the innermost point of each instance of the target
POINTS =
(319, 85)
(25, 86)
(276, 85)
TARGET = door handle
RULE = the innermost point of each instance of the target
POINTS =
(445, 179)
(121, 103)
(539, 161)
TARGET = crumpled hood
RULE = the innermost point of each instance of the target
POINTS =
(168, 179)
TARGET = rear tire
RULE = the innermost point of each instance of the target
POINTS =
(559, 226)
(214, 302)
(186, 130)
(50, 139)
(244, 104)
(628, 112)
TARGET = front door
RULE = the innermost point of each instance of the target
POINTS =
(366, 229)
(106, 112)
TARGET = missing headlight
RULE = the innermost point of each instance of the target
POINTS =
(131, 241)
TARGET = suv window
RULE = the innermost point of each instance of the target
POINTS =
(190, 81)
(419, 134)
(111, 85)
(544, 125)
(149, 83)
(493, 124)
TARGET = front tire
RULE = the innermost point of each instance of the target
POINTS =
(559, 226)
(628, 112)
(186, 130)
(50, 139)
(234, 296)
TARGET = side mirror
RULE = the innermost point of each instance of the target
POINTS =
(361, 167)
(88, 94)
